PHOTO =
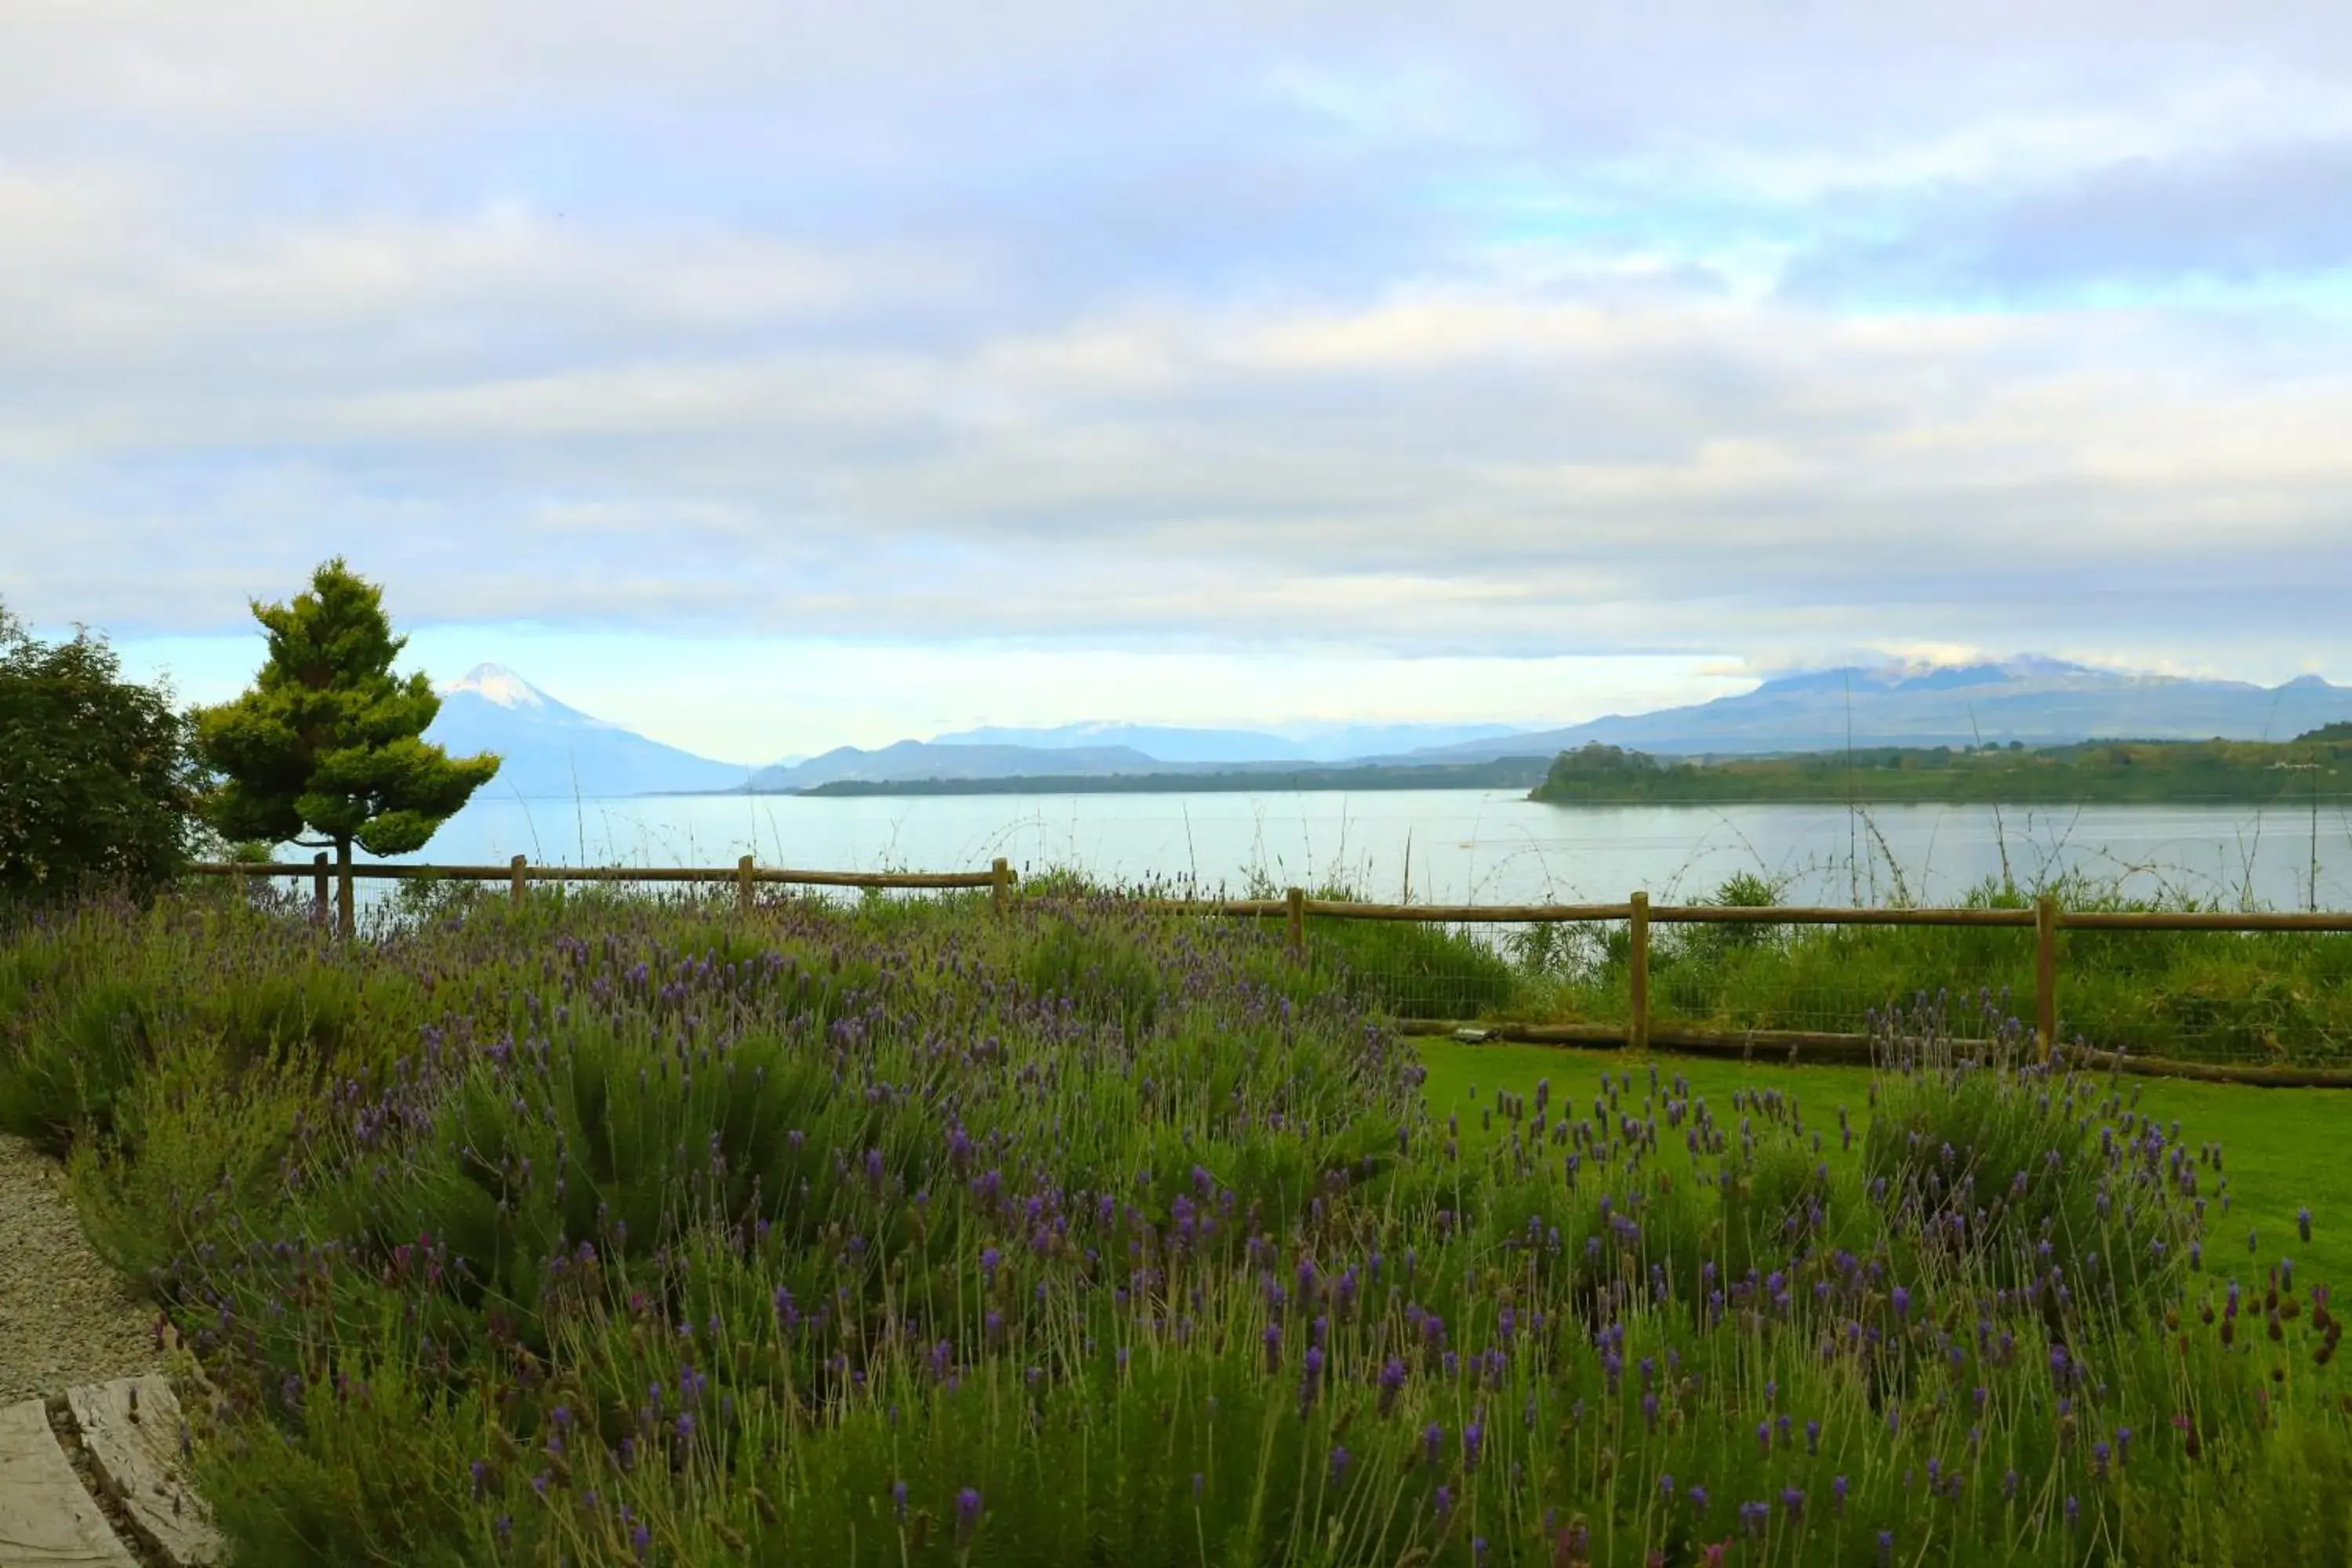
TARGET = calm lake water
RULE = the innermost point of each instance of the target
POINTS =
(1461, 846)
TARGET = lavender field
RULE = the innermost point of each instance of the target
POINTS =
(605, 1230)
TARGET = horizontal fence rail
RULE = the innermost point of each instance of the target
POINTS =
(521, 869)
(1641, 1028)
(745, 876)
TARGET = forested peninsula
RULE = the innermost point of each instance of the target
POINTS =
(2314, 765)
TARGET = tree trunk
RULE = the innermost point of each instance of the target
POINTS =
(346, 923)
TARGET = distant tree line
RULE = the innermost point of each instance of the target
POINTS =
(2090, 772)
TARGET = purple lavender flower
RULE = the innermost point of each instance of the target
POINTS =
(967, 1508)
(2303, 1223)
(1340, 1460)
(1432, 1441)
(1838, 1491)
(1392, 1376)
(1473, 1439)
(899, 1498)
(1445, 1501)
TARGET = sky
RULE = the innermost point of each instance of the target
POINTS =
(769, 377)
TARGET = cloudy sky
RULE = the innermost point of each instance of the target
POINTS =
(769, 376)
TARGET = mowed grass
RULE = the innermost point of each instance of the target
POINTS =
(2283, 1149)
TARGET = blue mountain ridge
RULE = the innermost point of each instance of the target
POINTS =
(2031, 700)
(554, 751)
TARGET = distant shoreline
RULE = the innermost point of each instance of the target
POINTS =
(1509, 773)
(2315, 769)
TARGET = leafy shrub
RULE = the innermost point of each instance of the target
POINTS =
(1105, 973)
(72, 1065)
(1991, 1167)
(99, 787)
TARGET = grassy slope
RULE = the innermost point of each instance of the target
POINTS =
(2281, 1148)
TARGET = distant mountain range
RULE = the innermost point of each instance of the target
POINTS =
(1301, 743)
(909, 760)
(553, 750)
(2037, 702)
(550, 749)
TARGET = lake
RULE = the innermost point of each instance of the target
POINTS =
(1455, 846)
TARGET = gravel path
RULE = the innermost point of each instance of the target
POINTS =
(65, 1315)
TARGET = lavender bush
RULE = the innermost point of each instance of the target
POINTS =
(609, 1230)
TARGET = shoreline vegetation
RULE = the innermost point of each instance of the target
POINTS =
(2155, 772)
(2318, 765)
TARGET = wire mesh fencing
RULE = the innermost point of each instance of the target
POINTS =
(2263, 997)
(2248, 990)
(1830, 978)
(1557, 971)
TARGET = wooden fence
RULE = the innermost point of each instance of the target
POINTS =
(519, 874)
(2045, 919)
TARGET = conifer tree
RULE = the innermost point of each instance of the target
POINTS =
(329, 740)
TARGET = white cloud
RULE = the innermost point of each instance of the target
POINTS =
(1521, 331)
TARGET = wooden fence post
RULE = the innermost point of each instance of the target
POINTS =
(318, 885)
(1296, 899)
(2045, 974)
(1637, 963)
(999, 884)
(743, 885)
(516, 885)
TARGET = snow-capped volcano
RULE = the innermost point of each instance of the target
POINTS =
(496, 683)
(549, 749)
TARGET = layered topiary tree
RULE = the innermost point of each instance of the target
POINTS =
(329, 740)
(96, 784)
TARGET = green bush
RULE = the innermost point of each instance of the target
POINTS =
(1992, 1168)
(100, 788)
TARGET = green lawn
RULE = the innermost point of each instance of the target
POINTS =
(2283, 1149)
